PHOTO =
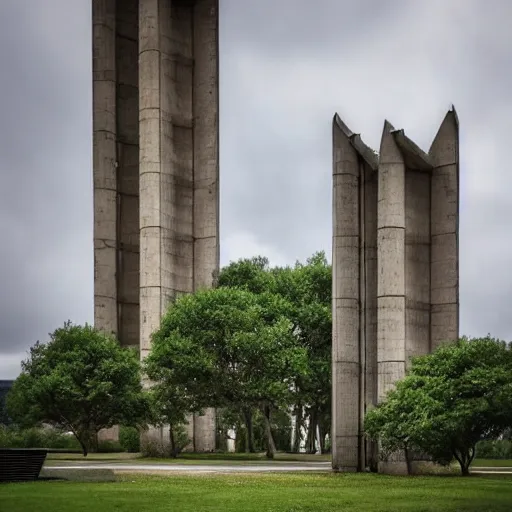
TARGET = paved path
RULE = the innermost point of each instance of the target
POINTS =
(236, 468)
(203, 468)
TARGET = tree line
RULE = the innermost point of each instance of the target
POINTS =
(257, 348)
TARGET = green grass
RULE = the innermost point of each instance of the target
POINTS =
(490, 463)
(263, 493)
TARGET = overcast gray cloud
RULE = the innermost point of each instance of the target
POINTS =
(286, 66)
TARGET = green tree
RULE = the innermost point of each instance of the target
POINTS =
(171, 403)
(306, 287)
(230, 347)
(81, 380)
(450, 400)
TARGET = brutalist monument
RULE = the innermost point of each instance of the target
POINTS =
(156, 164)
(395, 270)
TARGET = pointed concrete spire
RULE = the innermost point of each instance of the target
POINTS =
(389, 151)
(445, 147)
(345, 159)
(444, 222)
(345, 291)
(369, 156)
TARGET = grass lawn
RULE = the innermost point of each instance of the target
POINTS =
(492, 463)
(272, 493)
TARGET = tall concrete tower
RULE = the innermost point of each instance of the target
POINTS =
(156, 164)
(395, 270)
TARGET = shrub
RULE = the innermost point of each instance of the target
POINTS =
(494, 449)
(129, 438)
(109, 446)
(152, 447)
(12, 437)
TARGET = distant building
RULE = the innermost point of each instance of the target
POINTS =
(5, 386)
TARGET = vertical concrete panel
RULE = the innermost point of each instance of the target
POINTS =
(149, 171)
(417, 263)
(177, 150)
(444, 154)
(206, 171)
(346, 322)
(104, 164)
(178, 137)
(127, 103)
(391, 269)
(370, 309)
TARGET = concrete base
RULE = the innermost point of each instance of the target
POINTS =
(109, 434)
(345, 469)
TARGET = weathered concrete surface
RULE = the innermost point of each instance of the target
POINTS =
(105, 164)
(395, 272)
(354, 294)
(156, 164)
(391, 264)
(444, 287)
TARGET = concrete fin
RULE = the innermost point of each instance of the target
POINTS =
(415, 158)
(342, 126)
(445, 146)
(389, 150)
(364, 151)
(370, 156)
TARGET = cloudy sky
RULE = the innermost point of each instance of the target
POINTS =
(286, 67)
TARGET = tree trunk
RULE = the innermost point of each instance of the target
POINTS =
(174, 453)
(311, 448)
(298, 426)
(94, 442)
(249, 428)
(322, 437)
(465, 458)
(271, 447)
(85, 451)
(408, 460)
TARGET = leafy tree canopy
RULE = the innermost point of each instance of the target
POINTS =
(450, 400)
(228, 347)
(81, 380)
(306, 287)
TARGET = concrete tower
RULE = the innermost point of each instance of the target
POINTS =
(156, 164)
(395, 270)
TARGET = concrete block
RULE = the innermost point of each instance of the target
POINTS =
(206, 261)
(346, 282)
(346, 205)
(391, 329)
(346, 343)
(391, 258)
(150, 257)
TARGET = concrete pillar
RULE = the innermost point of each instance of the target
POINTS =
(105, 164)
(346, 363)
(444, 154)
(418, 169)
(178, 82)
(391, 270)
(206, 172)
(417, 263)
(395, 261)
(354, 349)
(127, 106)
(156, 165)
(369, 368)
